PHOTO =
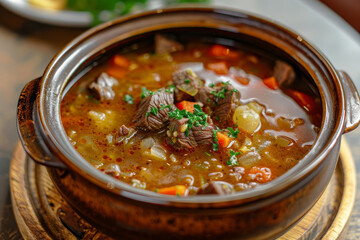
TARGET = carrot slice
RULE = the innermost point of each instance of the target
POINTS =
(222, 51)
(120, 61)
(261, 174)
(304, 100)
(271, 83)
(223, 139)
(178, 190)
(116, 72)
(218, 67)
(188, 106)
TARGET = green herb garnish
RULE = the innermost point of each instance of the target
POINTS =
(207, 154)
(170, 89)
(216, 140)
(233, 133)
(153, 110)
(145, 92)
(129, 99)
(233, 159)
(187, 81)
(211, 85)
(165, 106)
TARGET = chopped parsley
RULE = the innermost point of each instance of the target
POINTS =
(217, 118)
(198, 118)
(207, 154)
(162, 106)
(187, 81)
(233, 133)
(170, 89)
(216, 140)
(129, 99)
(232, 161)
(153, 110)
(145, 92)
(211, 85)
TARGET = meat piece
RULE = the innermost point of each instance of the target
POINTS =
(187, 84)
(152, 113)
(101, 88)
(219, 188)
(177, 136)
(228, 98)
(283, 73)
(206, 96)
(182, 138)
(123, 131)
(165, 45)
(204, 135)
(221, 99)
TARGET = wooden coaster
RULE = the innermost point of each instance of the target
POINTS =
(41, 213)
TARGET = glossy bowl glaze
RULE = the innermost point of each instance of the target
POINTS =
(129, 213)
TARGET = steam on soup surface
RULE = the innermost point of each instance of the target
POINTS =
(192, 118)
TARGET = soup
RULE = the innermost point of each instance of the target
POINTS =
(188, 118)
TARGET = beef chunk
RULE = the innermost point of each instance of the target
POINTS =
(206, 96)
(182, 138)
(227, 100)
(187, 84)
(101, 88)
(165, 45)
(123, 131)
(152, 113)
(221, 99)
(283, 73)
(177, 136)
(215, 188)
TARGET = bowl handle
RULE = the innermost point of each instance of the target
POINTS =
(352, 102)
(30, 138)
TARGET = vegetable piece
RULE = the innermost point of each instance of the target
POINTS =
(260, 174)
(233, 161)
(222, 51)
(189, 89)
(156, 152)
(246, 119)
(188, 106)
(304, 100)
(233, 133)
(223, 140)
(177, 190)
(120, 61)
(218, 67)
(271, 83)
(129, 99)
(116, 72)
(242, 80)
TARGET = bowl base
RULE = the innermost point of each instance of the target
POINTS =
(41, 213)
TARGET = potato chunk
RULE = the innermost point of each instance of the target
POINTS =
(246, 119)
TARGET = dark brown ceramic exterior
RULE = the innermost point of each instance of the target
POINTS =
(128, 213)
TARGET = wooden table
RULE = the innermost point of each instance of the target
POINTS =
(26, 47)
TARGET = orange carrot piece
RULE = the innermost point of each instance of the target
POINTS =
(242, 80)
(261, 174)
(188, 106)
(304, 100)
(223, 139)
(218, 67)
(178, 190)
(116, 72)
(222, 51)
(271, 83)
(120, 61)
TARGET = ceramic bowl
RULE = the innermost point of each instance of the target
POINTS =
(125, 212)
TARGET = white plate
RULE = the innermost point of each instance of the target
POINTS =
(65, 18)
